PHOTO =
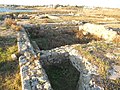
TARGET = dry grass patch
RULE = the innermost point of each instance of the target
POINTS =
(16, 27)
(9, 69)
(8, 22)
(95, 52)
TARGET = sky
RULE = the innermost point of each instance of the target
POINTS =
(103, 3)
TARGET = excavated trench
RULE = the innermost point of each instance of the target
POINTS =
(62, 75)
(55, 36)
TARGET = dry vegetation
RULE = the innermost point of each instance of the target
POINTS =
(16, 27)
(96, 52)
(10, 23)
(98, 15)
(9, 69)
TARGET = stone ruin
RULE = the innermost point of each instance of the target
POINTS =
(33, 76)
(100, 31)
(32, 61)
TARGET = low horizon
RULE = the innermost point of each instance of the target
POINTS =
(91, 3)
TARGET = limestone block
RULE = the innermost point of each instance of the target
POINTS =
(25, 75)
(74, 52)
(115, 73)
(14, 57)
(86, 79)
(27, 55)
(34, 81)
(47, 86)
(39, 87)
(22, 60)
(38, 64)
(23, 48)
(28, 63)
(26, 85)
(42, 79)
(34, 71)
(24, 68)
(99, 30)
(110, 55)
(39, 72)
(53, 17)
(72, 58)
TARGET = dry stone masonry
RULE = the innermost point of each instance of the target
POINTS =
(33, 76)
(85, 68)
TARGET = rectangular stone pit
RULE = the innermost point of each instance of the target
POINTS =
(52, 36)
(76, 68)
(60, 71)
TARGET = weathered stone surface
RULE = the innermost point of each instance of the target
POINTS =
(115, 72)
(14, 57)
(47, 86)
(53, 17)
(31, 71)
(22, 60)
(99, 30)
(23, 16)
(110, 55)
(85, 68)
(57, 55)
(26, 85)
(27, 55)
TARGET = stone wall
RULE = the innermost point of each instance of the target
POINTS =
(73, 25)
(86, 69)
(33, 76)
(54, 56)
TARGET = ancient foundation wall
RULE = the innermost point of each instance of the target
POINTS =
(33, 76)
(85, 68)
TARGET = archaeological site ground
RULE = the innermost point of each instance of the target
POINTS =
(60, 48)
